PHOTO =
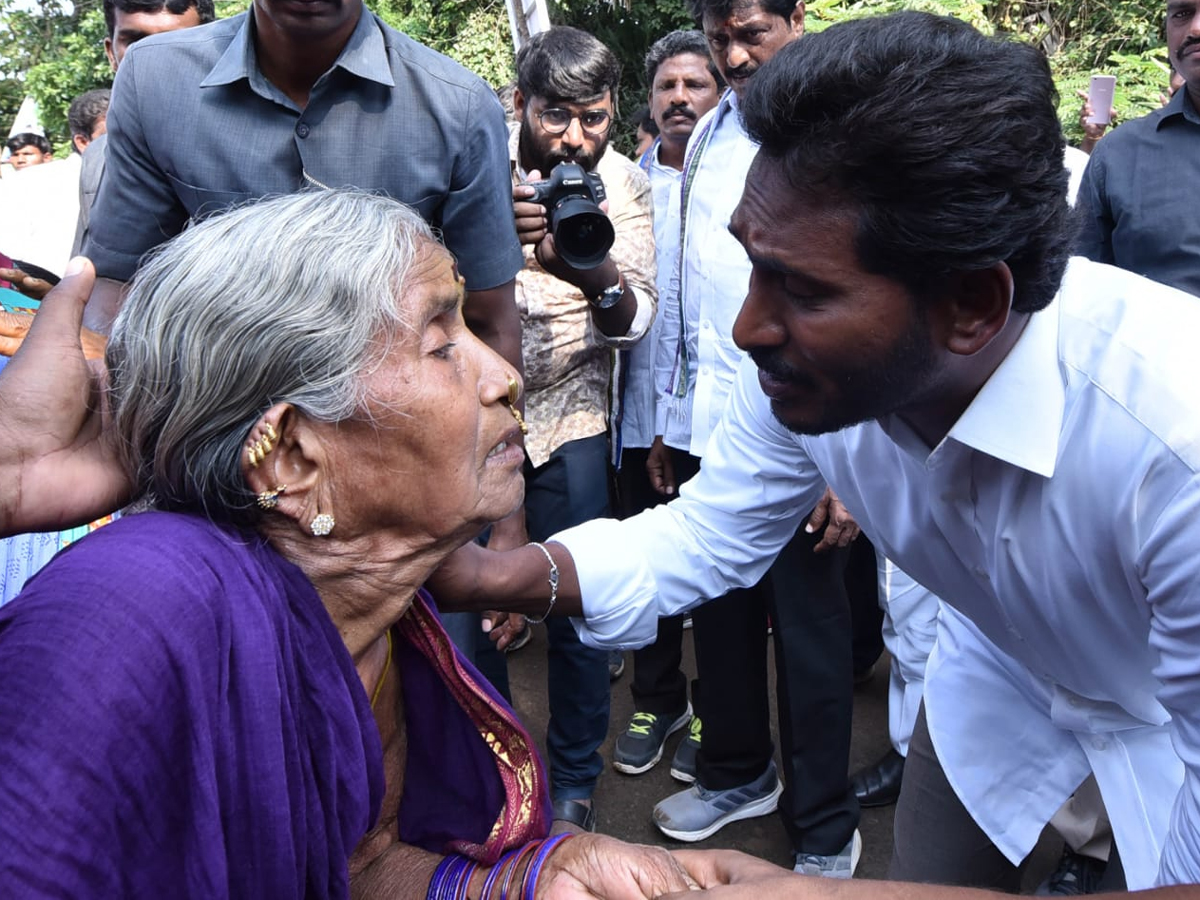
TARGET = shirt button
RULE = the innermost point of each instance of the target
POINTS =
(1073, 703)
(1099, 743)
(302, 130)
(706, 326)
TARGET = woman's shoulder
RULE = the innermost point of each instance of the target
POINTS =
(154, 570)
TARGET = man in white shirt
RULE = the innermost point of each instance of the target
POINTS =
(684, 85)
(735, 777)
(1020, 435)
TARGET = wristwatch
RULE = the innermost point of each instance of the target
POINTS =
(609, 297)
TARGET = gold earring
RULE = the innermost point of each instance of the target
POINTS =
(514, 392)
(270, 499)
(270, 431)
(322, 524)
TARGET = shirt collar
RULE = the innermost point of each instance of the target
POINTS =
(1179, 105)
(365, 54)
(1017, 415)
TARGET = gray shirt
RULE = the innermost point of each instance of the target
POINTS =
(1137, 199)
(91, 171)
(194, 127)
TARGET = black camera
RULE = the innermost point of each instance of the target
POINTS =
(582, 232)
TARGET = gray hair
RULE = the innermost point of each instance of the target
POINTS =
(288, 300)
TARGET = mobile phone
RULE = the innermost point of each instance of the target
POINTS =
(1100, 96)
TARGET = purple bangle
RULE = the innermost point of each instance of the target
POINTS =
(447, 877)
(534, 871)
(513, 866)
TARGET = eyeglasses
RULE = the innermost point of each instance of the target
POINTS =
(556, 121)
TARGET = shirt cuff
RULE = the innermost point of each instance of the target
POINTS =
(643, 318)
(620, 603)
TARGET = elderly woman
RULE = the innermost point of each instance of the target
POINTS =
(245, 692)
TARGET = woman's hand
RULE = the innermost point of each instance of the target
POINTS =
(58, 467)
(593, 865)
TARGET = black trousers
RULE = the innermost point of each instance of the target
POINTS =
(659, 685)
(805, 595)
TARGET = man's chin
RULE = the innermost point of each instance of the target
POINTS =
(798, 423)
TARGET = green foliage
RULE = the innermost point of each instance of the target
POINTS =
(53, 51)
(78, 65)
(473, 32)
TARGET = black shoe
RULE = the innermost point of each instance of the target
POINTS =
(640, 746)
(1075, 875)
(616, 664)
(879, 785)
(574, 813)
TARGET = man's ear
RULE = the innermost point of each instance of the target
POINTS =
(283, 462)
(108, 51)
(974, 307)
(518, 102)
(796, 19)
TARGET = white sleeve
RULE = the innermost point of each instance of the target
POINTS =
(755, 486)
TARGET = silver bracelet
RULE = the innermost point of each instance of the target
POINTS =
(553, 582)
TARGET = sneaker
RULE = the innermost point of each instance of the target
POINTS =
(616, 664)
(1076, 875)
(697, 813)
(640, 747)
(683, 764)
(836, 865)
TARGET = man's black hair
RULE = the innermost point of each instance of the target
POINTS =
(204, 8)
(86, 109)
(27, 139)
(644, 120)
(565, 64)
(675, 44)
(944, 141)
(720, 9)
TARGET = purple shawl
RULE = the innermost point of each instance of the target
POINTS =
(179, 717)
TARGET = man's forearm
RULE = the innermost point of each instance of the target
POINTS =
(511, 581)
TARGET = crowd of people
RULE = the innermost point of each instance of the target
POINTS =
(315, 425)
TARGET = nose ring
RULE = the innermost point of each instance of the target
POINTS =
(514, 392)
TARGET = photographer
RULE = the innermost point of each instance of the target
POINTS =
(574, 307)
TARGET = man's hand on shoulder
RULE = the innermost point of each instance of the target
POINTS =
(58, 463)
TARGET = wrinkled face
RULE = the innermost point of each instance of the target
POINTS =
(541, 150)
(131, 27)
(683, 90)
(28, 156)
(749, 36)
(1183, 41)
(834, 344)
(435, 450)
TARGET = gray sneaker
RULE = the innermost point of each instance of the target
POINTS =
(683, 763)
(640, 746)
(836, 865)
(697, 813)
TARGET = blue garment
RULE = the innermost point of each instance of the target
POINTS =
(1137, 196)
(390, 115)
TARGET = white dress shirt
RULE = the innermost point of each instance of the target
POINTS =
(1060, 516)
(714, 277)
(637, 421)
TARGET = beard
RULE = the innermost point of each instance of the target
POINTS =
(865, 389)
(536, 152)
